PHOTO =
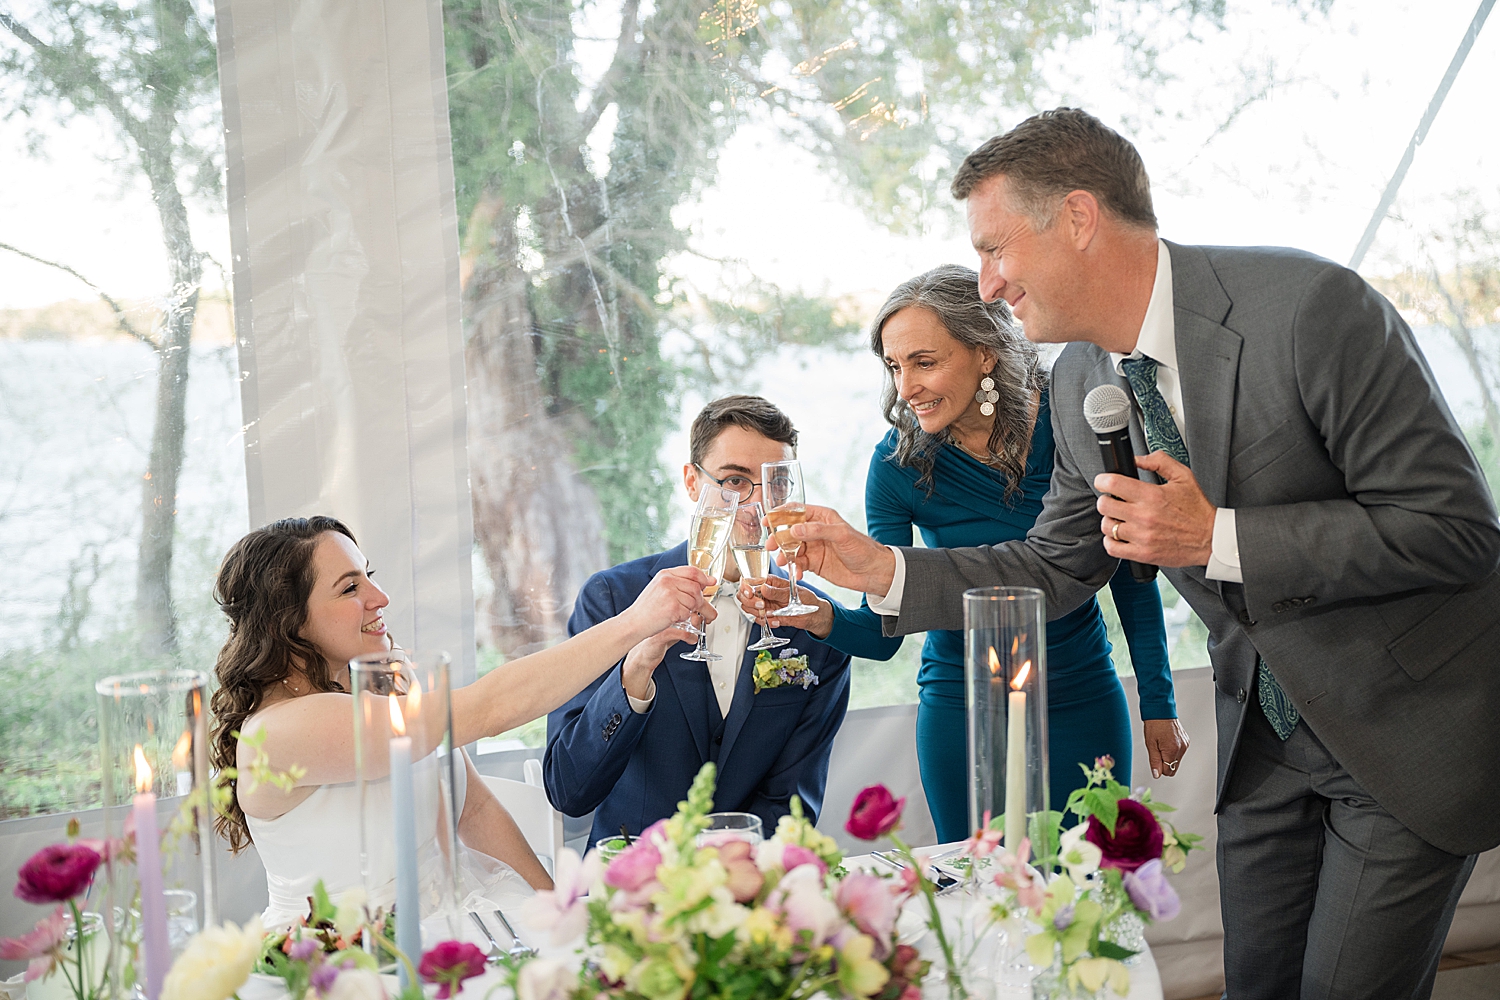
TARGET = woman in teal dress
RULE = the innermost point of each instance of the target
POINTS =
(967, 462)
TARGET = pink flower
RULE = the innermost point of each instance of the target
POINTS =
(745, 879)
(40, 946)
(1136, 840)
(450, 963)
(984, 840)
(633, 867)
(875, 813)
(1015, 875)
(799, 899)
(57, 873)
(905, 883)
(867, 902)
(563, 909)
(795, 855)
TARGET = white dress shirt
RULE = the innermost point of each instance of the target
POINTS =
(1157, 340)
(728, 635)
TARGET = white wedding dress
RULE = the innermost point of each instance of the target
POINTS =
(319, 838)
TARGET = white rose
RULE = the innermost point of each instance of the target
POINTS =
(350, 916)
(215, 964)
(356, 984)
(1079, 856)
(545, 979)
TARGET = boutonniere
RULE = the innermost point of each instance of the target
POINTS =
(779, 671)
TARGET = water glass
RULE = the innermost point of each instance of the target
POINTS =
(727, 826)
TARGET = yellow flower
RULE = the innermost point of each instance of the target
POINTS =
(859, 973)
(215, 964)
(1093, 973)
(615, 962)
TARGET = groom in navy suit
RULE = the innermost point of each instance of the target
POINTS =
(628, 746)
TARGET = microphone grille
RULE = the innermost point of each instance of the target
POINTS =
(1106, 408)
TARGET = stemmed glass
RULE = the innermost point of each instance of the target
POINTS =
(786, 505)
(748, 543)
(708, 543)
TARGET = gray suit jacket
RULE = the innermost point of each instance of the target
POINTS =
(1367, 534)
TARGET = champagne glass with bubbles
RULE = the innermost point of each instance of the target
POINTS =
(708, 544)
(786, 505)
(748, 543)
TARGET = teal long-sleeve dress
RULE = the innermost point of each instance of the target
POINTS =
(1086, 707)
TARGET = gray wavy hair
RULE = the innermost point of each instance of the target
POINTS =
(951, 292)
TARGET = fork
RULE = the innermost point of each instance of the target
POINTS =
(518, 948)
(494, 945)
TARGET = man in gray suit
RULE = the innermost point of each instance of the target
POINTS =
(1315, 503)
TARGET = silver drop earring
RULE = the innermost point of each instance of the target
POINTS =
(987, 397)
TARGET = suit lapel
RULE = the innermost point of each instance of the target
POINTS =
(1208, 365)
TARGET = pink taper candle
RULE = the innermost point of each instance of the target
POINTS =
(156, 953)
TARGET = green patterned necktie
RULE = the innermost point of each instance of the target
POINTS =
(1162, 434)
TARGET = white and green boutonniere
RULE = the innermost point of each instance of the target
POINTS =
(779, 671)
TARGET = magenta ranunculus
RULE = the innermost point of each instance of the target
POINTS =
(449, 964)
(633, 867)
(1137, 838)
(1150, 891)
(57, 873)
(875, 813)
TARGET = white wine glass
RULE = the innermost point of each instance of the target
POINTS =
(786, 505)
(708, 543)
(748, 543)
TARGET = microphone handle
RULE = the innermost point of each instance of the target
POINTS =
(1119, 458)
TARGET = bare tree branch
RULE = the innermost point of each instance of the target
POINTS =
(625, 52)
(121, 319)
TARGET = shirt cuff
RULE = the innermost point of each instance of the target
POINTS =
(1224, 558)
(640, 706)
(890, 604)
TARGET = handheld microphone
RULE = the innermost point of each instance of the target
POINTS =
(1107, 409)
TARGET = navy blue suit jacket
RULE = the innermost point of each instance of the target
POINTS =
(633, 769)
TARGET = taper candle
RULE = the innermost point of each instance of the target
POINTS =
(1015, 762)
(156, 952)
(403, 800)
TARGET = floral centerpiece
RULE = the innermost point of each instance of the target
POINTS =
(668, 918)
(1087, 919)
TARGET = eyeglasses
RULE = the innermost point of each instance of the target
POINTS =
(742, 485)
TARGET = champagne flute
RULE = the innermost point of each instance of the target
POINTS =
(708, 541)
(747, 541)
(786, 505)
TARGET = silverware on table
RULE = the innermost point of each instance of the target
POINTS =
(518, 949)
(495, 949)
(940, 878)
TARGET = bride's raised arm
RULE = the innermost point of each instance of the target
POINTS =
(301, 607)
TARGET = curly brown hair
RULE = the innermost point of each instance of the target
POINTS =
(263, 586)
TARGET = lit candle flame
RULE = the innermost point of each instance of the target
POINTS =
(183, 751)
(1015, 644)
(142, 771)
(414, 698)
(1021, 676)
(994, 663)
(398, 724)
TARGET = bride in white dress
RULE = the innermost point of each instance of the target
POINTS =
(302, 604)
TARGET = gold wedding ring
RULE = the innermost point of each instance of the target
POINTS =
(1115, 531)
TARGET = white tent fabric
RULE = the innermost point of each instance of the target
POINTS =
(345, 244)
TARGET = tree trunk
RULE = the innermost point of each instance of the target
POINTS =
(155, 620)
(537, 521)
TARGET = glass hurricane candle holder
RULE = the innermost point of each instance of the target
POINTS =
(153, 748)
(406, 776)
(1005, 670)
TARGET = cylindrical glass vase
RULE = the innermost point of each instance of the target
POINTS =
(153, 741)
(1005, 670)
(407, 781)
